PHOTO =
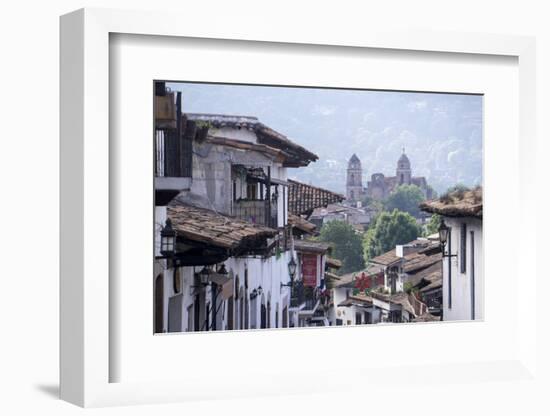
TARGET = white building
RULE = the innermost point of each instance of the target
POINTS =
(222, 183)
(377, 294)
(462, 214)
(359, 218)
(349, 307)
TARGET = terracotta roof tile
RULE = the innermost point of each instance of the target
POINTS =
(303, 198)
(297, 155)
(206, 226)
(418, 261)
(301, 224)
(386, 259)
(311, 246)
(457, 204)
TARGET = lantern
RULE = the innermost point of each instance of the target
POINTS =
(168, 239)
(443, 233)
(203, 276)
(292, 269)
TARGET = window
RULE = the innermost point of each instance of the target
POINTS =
(463, 248)
(252, 191)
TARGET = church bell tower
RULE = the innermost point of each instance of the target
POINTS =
(403, 171)
(354, 181)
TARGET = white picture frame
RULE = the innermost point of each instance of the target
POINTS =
(86, 356)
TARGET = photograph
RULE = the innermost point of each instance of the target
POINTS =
(296, 207)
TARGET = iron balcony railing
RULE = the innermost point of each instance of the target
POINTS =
(301, 295)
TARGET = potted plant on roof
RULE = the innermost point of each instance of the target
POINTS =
(202, 129)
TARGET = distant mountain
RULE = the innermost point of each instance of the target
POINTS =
(441, 133)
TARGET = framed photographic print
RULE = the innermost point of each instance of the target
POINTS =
(257, 231)
(238, 211)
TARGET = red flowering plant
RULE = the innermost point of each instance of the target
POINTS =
(362, 283)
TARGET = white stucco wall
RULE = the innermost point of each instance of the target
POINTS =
(348, 313)
(160, 220)
(212, 177)
(461, 305)
(234, 133)
(265, 273)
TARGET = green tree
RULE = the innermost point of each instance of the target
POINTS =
(373, 205)
(433, 225)
(347, 245)
(405, 198)
(389, 230)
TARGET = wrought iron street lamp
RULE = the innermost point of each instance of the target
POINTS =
(292, 269)
(291, 273)
(444, 239)
(203, 276)
(168, 239)
(443, 233)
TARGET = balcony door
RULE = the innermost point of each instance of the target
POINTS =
(159, 303)
(285, 317)
(263, 317)
(197, 314)
(230, 309)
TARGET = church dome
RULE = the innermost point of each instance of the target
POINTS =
(403, 162)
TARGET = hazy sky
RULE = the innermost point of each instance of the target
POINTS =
(442, 133)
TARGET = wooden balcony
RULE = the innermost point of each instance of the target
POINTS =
(255, 211)
(173, 143)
